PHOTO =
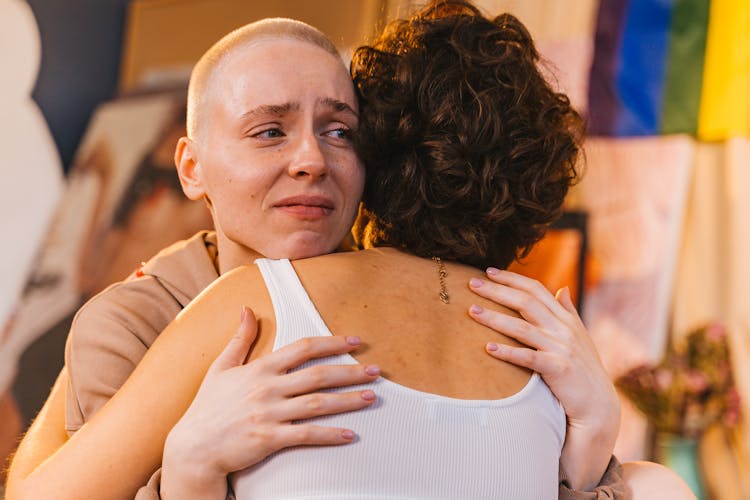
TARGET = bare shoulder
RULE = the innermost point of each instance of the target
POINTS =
(214, 314)
(245, 280)
(332, 260)
(328, 276)
(242, 286)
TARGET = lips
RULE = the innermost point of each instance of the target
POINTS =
(305, 206)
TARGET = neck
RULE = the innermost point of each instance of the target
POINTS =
(233, 254)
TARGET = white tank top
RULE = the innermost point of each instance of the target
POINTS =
(410, 444)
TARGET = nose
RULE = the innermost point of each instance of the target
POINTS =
(308, 159)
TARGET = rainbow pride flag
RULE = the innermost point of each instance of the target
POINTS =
(669, 67)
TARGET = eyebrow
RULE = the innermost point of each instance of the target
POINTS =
(281, 109)
(271, 109)
(337, 105)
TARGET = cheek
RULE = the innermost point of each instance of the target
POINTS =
(237, 198)
(243, 185)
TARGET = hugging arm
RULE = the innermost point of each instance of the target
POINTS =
(562, 352)
(244, 412)
(45, 435)
(132, 427)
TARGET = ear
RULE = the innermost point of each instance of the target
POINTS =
(189, 169)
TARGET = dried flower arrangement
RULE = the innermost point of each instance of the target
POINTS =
(691, 388)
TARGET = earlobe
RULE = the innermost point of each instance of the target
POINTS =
(189, 168)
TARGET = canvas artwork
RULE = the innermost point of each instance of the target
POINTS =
(122, 204)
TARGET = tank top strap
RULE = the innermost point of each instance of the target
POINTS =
(296, 315)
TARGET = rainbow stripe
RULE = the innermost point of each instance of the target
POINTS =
(671, 66)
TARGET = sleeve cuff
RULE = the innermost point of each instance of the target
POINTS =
(151, 490)
(611, 485)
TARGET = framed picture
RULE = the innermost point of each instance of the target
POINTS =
(559, 259)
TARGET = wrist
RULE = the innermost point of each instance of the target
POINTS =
(583, 474)
(589, 447)
(188, 470)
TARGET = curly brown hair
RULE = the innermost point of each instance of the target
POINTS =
(469, 151)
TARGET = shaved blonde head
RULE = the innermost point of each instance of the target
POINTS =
(205, 71)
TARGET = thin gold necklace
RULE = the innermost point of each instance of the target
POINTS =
(442, 273)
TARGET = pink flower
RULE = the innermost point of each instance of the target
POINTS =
(715, 332)
(696, 381)
(663, 379)
(731, 417)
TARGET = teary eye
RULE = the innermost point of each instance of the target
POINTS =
(340, 133)
(271, 133)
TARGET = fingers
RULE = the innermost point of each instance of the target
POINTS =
(236, 351)
(521, 301)
(323, 403)
(320, 377)
(527, 290)
(520, 293)
(315, 405)
(516, 328)
(296, 353)
(310, 435)
(523, 356)
(563, 297)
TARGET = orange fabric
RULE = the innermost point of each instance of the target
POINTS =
(554, 261)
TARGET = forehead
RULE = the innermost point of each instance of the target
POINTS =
(278, 70)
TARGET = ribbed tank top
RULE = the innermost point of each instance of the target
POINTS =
(410, 444)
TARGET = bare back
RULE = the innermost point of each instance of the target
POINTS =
(390, 299)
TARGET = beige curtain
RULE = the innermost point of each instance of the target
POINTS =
(713, 283)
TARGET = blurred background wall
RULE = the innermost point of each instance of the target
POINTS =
(81, 46)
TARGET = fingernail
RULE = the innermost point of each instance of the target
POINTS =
(372, 370)
(243, 314)
(368, 395)
(353, 340)
(475, 309)
(491, 346)
(475, 282)
(493, 271)
(347, 434)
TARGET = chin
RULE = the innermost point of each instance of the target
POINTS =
(303, 250)
(303, 244)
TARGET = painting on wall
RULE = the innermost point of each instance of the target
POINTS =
(559, 258)
(123, 202)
